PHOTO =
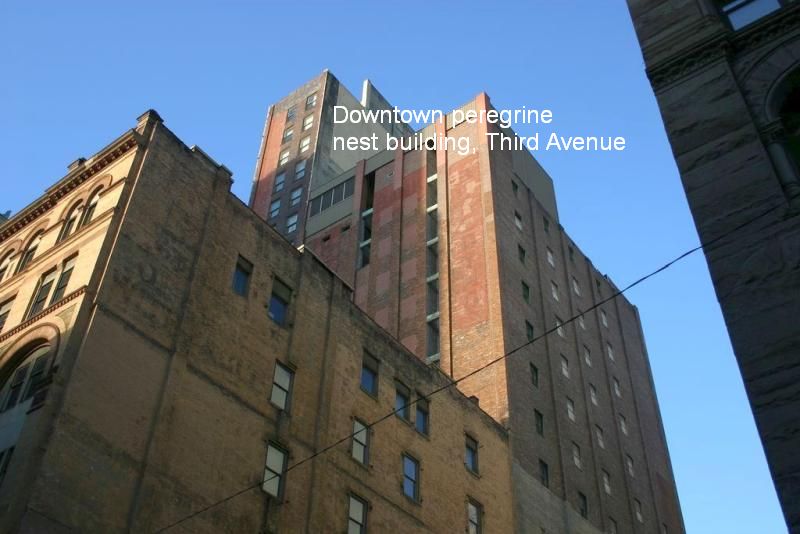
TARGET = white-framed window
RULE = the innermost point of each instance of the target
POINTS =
(308, 122)
(305, 144)
(360, 445)
(629, 464)
(274, 208)
(576, 287)
(582, 322)
(281, 386)
(283, 158)
(290, 114)
(311, 100)
(604, 318)
(571, 409)
(607, 482)
(637, 507)
(564, 366)
(280, 180)
(560, 328)
(617, 388)
(274, 471)
(587, 355)
(623, 424)
(5, 311)
(287, 134)
(291, 223)
(518, 220)
(356, 515)
(554, 290)
(411, 477)
(474, 517)
(550, 258)
(593, 394)
(296, 195)
(610, 351)
(300, 169)
(601, 442)
(576, 455)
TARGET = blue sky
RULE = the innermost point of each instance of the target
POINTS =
(77, 74)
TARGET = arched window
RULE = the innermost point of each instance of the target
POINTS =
(91, 206)
(70, 222)
(24, 381)
(30, 252)
(5, 265)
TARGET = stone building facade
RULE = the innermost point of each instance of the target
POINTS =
(461, 257)
(727, 79)
(169, 360)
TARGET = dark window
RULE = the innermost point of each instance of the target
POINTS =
(514, 187)
(5, 265)
(241, 276)
(535, 375)
(433, 296)
(91, 206)
(410, 477)
(349, 186)
(433, 340)
(69, 223)
(29, 253)
(583, 505)
(544, 474)
(291, 113)
(316, 206)
(279, 301)
(369, 374)
(521, 253)
(274, 208)
(5, 310)
(546, 222)
(287, 134)
(423, 419)
(539, 419)
(529, 331)
(526, 292)
(280, 180)
(402, 399)
(36, 377)
(42, 292)
(15, 387)
(740, 13)
(296, 196)
(471, 454)
(300, 169)
(5, 459)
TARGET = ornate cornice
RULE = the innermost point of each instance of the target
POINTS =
(22, 326)
(724, 44)
(81, 171)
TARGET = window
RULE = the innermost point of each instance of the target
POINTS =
(25, 380)
(607, 482)
(526, 292)
(432, 295)
(410, 477)
(583, 505)
(369, 374)
(287, 134)
(274, 471)
(581, 322)
(623, 424)
(241, 276)
(518, 220)
(529, 331)
(471, 454)
(274, 208)
(593, 394)
(356, 516)
(571, 252)
(663, 525)
(296, 195)
(564, 366)
(300, 169)
(612, 526)
(30, 252)
(617, 388)
(550, 258)
(554, 290)
(514, 187)
(308, 122)
(571, 409)
(281, 386)
(740, 13)
(69, 223)
(604, 318)
(610, 351)
(311, 100)
(360, 446)
(560, 328)
(422, 422)
(587, 355)
(539, 420)
(535, 375)
(5, 265)
(91, 206)
(291, 113)
(305, 144)
(521, 254)
(629, 464)
(365, 241)
(280, 180)
(402, 400)
(637, 507)
(432, 331)
(279, 302)
(474, 517)
(544, 474)
(576, 288)
(291, 223)
(283, 158)
(598, 432)
(5, 310)
(546, 223)
(42, 292)
(576, 455)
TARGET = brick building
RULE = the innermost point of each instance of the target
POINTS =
(461, 257)
(163, 349)
(726, 75)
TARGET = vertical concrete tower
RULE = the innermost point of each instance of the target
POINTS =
(727, 78)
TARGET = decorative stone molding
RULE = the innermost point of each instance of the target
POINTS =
(22, 326)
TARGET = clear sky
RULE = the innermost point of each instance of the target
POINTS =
(75, 75)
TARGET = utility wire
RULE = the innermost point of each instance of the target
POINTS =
(707, 246)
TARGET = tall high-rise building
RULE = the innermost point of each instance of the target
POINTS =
(726, 75)
(460, 255)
